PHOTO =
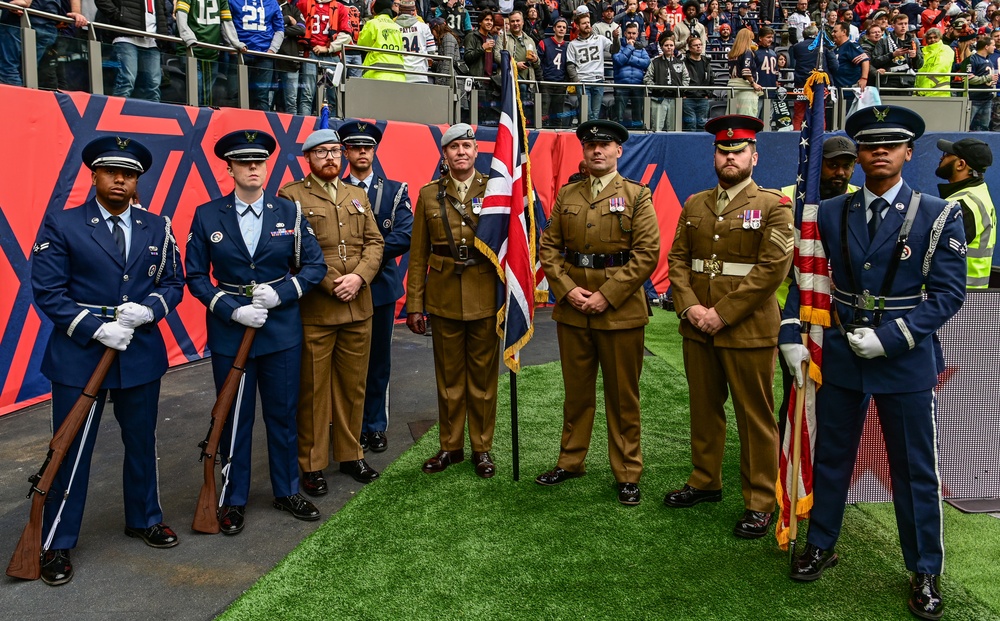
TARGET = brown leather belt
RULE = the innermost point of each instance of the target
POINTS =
(466, 254)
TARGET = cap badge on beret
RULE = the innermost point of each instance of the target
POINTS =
(880, 116)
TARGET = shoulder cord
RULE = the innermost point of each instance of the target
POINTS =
(936, 230)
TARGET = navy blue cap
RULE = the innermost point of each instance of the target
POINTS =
(246, 145)
(601, 130)
(117, 152)
(884, 125)
(360, 133)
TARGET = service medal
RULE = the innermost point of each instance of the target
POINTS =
(477, 205)
(216, 237)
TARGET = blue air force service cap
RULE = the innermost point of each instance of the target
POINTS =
(734, 132)
(600, 130)
(117, 152)
(318, 137)
(458, 131)
(884, 125)
(246, 145)
(359, 133)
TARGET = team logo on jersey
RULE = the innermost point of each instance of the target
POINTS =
(216, 237)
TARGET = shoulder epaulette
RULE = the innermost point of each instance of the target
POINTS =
(633, 181)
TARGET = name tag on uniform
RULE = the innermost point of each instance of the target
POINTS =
(751, 219)
(617, 204)
(477, 205)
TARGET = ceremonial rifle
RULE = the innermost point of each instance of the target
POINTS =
(26, 561)
(206, 514)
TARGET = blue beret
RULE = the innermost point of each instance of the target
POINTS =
(246, 145)
(117, 152)
(457, 131)
(360, 133)
(318, 137)
(884, 125)
(601, 130)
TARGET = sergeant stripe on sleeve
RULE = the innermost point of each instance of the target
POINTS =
(785, 243)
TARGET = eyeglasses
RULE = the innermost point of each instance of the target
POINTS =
(325, 153)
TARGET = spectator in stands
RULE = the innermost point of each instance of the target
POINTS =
(994, 60)
(139, 57)
(567, 8)
(667, 69)
(655, 27)
(690, 25)
(46, 33)
(786, 74)
(631, 15)
(417, 38)
(712, 19)
(479, 45)
(983, 10)
(872, 36)
(585, 62)
(847, 16)
(607, 27)
(898, 56)
(804, 60)
(864, 8)
(206, 21)
(328, 30)
(853, 63)
(798, 21)
(819, 11)
(719, 47)
(552, 58)
(745, 91)
(765, 63)
(357, 14)
(534, 24)
(675, 13)
(911, 8)
(448, 44)
(932, 17)
(521, 47)
(938, 58)
(498, 25)
(382, 32)
(260, 26)
(630, 64)
(982, 85)
(881, 19)
(742, 19)
(453, 12)
(287, 71)
(696, 102)
(649, 14)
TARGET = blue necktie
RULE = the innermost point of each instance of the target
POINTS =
(118, 233)
(876, 208)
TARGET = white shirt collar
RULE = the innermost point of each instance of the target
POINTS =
(889, 196)
(257, 206)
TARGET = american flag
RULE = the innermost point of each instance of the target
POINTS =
(813, 277)
(507, 216)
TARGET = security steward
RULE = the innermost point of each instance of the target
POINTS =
(732, 248)
(602, 243)
(460, 295)
(250, 257)
(336, 316)
(963, 164)
(889, 248)
(390, 201)
(105, 274)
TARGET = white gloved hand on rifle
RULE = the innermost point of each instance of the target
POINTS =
(794, 355)
(114, 335)
(251, 316)
(265, 296)
(865, 343)
(132, 315)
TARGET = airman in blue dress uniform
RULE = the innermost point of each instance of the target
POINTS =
(105, 273)
(263, 256)
(390, 201)
(888, 247)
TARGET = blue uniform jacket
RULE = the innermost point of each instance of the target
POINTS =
(77, 262)
(394, 217)
(913, 354)
(216, 253)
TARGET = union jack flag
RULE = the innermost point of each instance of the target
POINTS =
(812, 275)
(507, 216)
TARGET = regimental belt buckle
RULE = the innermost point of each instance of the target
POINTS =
(342, 251)
(463, 253)
(713, 266)
(866, 300)
(584, 260)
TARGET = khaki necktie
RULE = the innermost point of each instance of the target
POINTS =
(722, 202)
(596, 188)
(462, 190)
(331, 189)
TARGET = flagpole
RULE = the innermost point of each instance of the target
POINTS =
(796, 430)
(513, 426)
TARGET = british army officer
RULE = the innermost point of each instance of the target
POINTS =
(731, 251)
(92, 264)
(905, 256)
(250, 257)
(460, 295)
(336, 316)
(390, 201)
(601, 245)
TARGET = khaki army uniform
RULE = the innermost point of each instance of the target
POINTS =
(612, 339)
(337, 335)
(462, 308)
(733, 261)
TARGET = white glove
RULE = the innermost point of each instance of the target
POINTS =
(795, 354)
(865, 343)
(132, 315)
(114, 335)
(251, 315)
(265, 296)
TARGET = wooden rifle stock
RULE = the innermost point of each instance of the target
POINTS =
(206, 514)
(26, 561)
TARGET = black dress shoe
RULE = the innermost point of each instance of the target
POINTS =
(753, 524)
(377, 441)
(628, 494)
(925, 596)
(689, 496)
(443, 459)
(56, 567)
(359, 470)
(365, 441)
(556, 476)
(485, 468)
(299, 507)
(231, 519)
(811, 564)
(314, 483)
(156, 536)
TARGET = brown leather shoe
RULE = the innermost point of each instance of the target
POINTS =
(443, 459)
(485, 468)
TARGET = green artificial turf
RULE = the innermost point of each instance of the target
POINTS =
(452, 546)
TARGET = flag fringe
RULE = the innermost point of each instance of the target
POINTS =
(815, 316)
(815, 77)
